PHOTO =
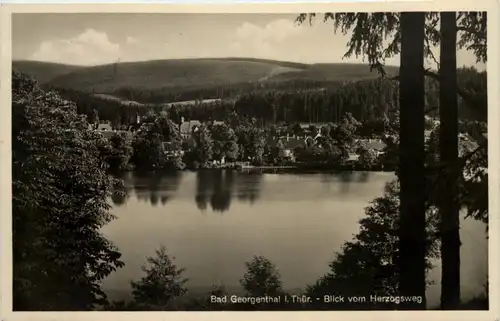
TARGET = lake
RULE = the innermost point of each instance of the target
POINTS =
(214, 221)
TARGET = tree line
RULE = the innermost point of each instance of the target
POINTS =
(366, 100)
(173, 94)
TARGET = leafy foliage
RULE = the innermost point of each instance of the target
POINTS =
(366, 265)
(262, 278)
(472, 26)
(60, 192)
(203, 150)
(119, 151)
(251, 139)
(225, 142)
(366, 156)
(369, 32)
(377, 36)
(148, 152)
(162, 284)
(343, 134)
(273, 152)
(167, 129)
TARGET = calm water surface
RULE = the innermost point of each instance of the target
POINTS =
(214, 221)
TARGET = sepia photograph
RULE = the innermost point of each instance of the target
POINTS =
(306, 161)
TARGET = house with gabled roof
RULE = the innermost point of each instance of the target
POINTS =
(375, 145)
(289, 144)
(186, 128)
(217, 122)
(104, 127)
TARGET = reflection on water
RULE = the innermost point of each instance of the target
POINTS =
(152, 187)
(121, 197)
(249, 188)
(297, 221)
(214, 188)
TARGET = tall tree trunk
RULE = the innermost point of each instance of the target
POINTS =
(411, 254)
(448, 146)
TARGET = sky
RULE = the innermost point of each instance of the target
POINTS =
(93, 39)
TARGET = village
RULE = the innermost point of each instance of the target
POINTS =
(360, 153)
(286, 142)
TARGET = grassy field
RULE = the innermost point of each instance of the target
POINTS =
(189, 73)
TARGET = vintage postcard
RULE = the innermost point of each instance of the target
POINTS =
(284, 158)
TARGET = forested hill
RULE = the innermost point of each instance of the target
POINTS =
(181, 75)
(294, 93)
(43, 72)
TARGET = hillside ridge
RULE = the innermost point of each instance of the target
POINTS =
(192, 78)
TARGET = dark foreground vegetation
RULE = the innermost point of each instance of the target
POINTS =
(62, 184)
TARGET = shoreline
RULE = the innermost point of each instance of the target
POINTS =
(301, 169)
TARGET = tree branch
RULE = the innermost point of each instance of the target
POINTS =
(479, 148)
(470, 30)
(443, 166)
(462, 93)
(461, 160)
